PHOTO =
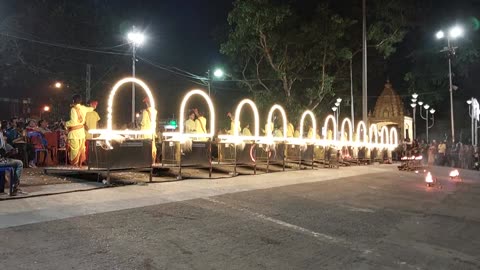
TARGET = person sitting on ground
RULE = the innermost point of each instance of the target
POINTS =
(6, 151)
(190, 123)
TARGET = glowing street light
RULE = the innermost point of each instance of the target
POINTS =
(218, 73)
(427, 117)
(454, 33)
(415, 95)
(136, 39)
(58, 85)
(46, 108)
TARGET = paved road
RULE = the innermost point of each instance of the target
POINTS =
(379, 219)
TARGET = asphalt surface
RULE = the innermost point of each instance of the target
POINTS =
(382, 220)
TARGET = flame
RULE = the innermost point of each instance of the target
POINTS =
(109, 132)
(429, 178)
(349, 138)
(181, 136)
(314, 124)
(454, 173)
(279, 108)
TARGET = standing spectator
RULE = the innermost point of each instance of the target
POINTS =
(91, 119)
(76, 131)
(442, 152)
(431, 153)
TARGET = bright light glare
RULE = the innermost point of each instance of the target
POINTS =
(136, 38)
(420, 103)
(284, 118)
(454, 173)
(440, 35)
(236, 131)
(46, 108)
(334, 109)
(218, 73)
(314, 123)
(429, 178)
(456, 32)
(415, 95)
(469, 101)
(339, 100)
(432, 111)
(58, 85)
(426, 106)
(413, 105)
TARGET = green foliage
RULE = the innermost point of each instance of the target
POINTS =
(301, 59)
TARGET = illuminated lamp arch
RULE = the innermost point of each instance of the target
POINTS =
(210, 108)
(325, 127)
(314, 123)
(279, 108)
(350, 130)
(256, 117)
(393, 137)
(361, 126)
(384, 139)
(373, 130)
(114, 92)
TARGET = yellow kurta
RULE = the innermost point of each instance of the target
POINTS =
(278, 133)
(76, 134)
(310, 134)
(147, 124)
(296, 134)
(91, 120)
(246, 132)
(232, 127)
(268, 129)
(201, 125)
(290, 130)
(190, 126)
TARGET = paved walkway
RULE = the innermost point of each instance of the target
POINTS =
(39, 209)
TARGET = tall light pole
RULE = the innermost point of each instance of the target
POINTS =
(454, 33)
(217, 74)
(474, 112)
(136, 39)
(427, 117)
(364, 64)
(414, 106)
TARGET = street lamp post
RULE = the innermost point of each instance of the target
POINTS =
(426, 117)
(474, 112)
(217, 73)
(414, 106)
(454, 33)
(136, 39)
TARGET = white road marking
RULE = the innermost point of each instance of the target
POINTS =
(320, 236)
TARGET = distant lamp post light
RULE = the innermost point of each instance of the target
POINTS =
(58, 85)
(454, 33)
(136, 39)
(218, 73)
(415, 95)
(427, 118)
(46, 108)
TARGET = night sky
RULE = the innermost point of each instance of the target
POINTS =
(181, 34)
